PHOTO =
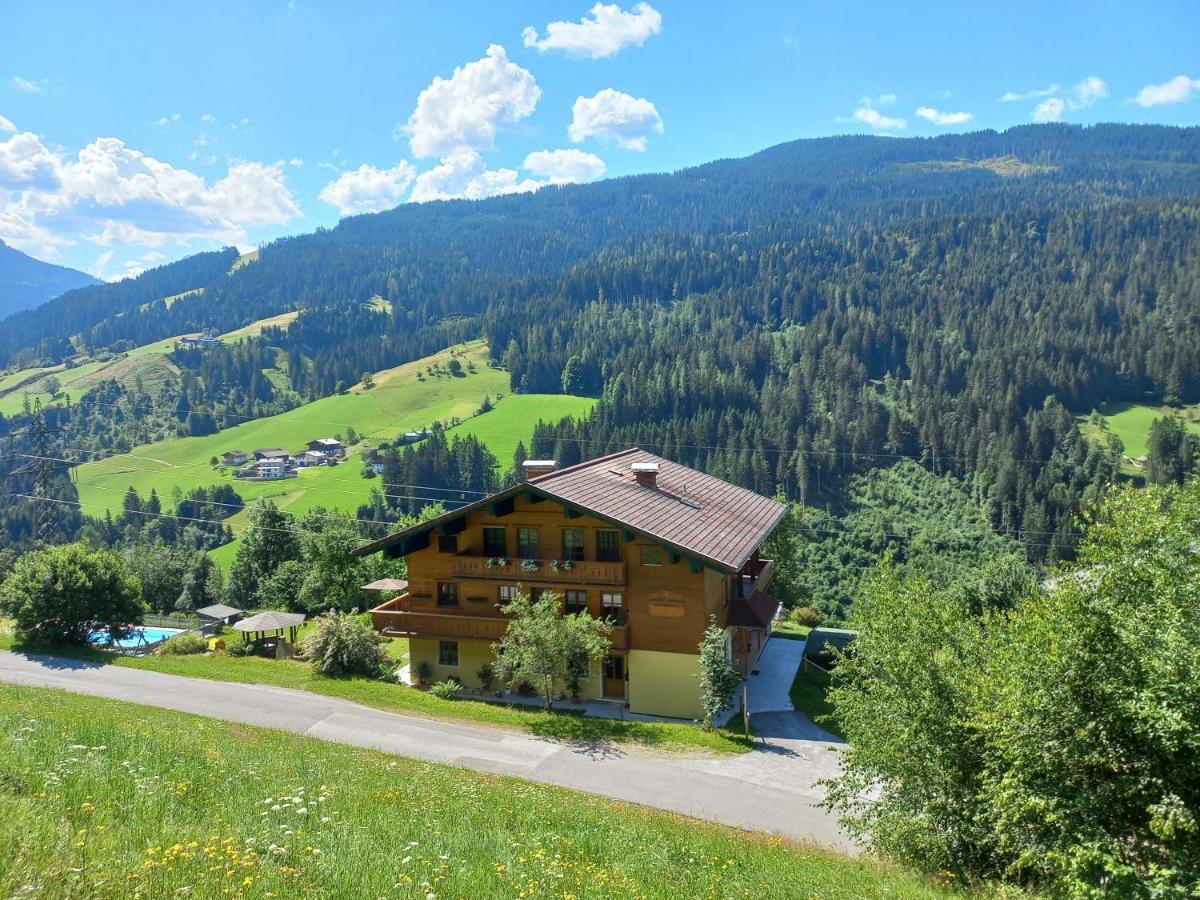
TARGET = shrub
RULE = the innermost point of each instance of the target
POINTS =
(423, 671)
(486, 674)
(806, 617)
(342, 644)
(183, 644)
(239, 648)
(447, 690)
(63, 593)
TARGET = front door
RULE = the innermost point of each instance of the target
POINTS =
(614, 677)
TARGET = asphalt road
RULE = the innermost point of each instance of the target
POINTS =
(772, 788)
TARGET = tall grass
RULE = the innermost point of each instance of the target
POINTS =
(104, 799)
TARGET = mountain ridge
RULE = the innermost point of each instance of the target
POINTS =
(26, 282)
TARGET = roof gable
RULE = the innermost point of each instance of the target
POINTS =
(697, 515)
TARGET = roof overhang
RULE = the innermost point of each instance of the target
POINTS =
(416, 537)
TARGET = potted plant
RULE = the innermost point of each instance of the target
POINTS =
(486, 675)
(423, 671)
(497, 562)
(530, 565)
(562, 565)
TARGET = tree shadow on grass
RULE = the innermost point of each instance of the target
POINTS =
(63, 656)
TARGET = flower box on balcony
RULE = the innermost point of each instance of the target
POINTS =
(497, 562)
(530, 565)
(562, 565)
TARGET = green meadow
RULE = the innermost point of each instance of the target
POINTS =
(1131, 423)
(107, 799)
(405, 398)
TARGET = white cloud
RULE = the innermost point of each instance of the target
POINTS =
(26, 163)
(1013, 96)
(112, 195)
(468, 108)
(1087, 93)
(868, 115)
(938, 117)
(207, 118)
(615, 116)
(565, 166)
(24, 84)
(1176, 90)
(97, 268)
(463, 175)
(1050, 110)
(168, 120)
(607, 30)
(368, 189)
(7, 125)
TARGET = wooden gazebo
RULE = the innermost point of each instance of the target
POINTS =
(266, 630)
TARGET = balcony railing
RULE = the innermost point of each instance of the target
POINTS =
(395, 618)
(582, 572)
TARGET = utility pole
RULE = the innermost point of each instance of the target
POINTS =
(47, 527)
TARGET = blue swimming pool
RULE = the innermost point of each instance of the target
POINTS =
(140, 636)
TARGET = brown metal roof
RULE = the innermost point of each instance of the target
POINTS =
(756, 611)
(698, 513)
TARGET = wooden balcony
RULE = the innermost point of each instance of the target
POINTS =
(583, 572)
(396, 619)
(755, 576)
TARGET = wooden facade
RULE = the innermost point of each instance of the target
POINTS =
(658, 597)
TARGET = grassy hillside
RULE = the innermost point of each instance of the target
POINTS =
(404, 398)
(1131, 423)
(149, 362)
(109, 799)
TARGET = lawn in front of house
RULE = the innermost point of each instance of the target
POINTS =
(809, 694)
(107, 799)
(393, 697)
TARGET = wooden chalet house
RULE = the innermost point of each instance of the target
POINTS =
(653, 546)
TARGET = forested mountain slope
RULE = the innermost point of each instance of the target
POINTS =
(787, 320)
(27, 282)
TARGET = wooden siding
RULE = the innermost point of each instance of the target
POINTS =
(666, 606)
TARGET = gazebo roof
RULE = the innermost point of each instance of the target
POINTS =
(218, 611)
(387, 584)
(272, 620)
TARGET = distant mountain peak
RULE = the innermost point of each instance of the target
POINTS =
(26, 282)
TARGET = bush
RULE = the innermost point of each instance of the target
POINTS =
(239, 648)
(342, 644)
(806, 617)
(447, 689)
(486, 675)
(64, 593)
(423, 671)
(183, 645)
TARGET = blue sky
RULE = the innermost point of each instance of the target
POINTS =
(132, 134)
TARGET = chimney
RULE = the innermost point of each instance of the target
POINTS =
(646, 473)
(535, 467)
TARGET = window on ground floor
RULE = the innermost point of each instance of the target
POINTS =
(448, 653)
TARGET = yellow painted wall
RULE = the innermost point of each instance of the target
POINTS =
(472, 655)
(664, 684)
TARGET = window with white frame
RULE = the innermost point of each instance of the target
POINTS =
(614, 607)
(508, 593)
